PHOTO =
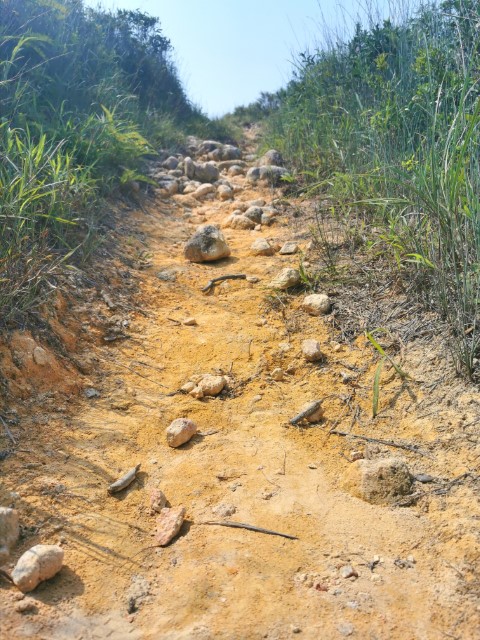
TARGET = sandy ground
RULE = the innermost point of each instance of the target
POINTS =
(215, 582)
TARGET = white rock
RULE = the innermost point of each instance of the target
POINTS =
(189, 322)
(262, 247)
(289, 248)
(9, 531)
(317, 304)
(180, 431)
(287, 278)
(277, 374)
(169, 523)
(209, 386)
(311, 350)
(37, 564)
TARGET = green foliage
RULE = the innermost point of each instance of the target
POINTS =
(388, 122)
(85, 95)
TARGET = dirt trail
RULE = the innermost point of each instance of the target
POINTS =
(214, 582)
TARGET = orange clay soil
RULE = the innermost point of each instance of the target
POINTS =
(214, 582)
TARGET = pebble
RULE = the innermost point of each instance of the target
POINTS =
(289, 248)
(180, 431)
(356, 455)
(378, 481)
(224, 510)
(169, 523)
(295, 629)
(39, 563)
(190, 322)
(312, 466)
(277, 374)
(28, 605)
(40, 356)
(157, 500)
(346, 629)
(253, 279)
(311, 350)
(92, 393)
(188, 386)
(348, 572)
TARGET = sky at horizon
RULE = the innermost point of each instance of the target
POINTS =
(228, 52)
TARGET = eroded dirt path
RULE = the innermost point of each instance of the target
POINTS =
(214, 582)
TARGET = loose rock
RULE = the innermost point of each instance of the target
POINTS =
(224, 510)
(348, 572)
(37, 564)
(203, 191)
(254, 213)
(311, 350)
(206, 245)
(40, 356)
(317, 304)
(189, 322)
(240, 222)
(209, 386)
(224, 192)
(277, 374)
(9, 531)
(289, 248)
(271, 157)
(379, 481)
(262, 247)
(157, 500)
(287, 278)
(169, 523)
(180, 431)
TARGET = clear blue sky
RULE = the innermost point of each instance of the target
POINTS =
(228, 51)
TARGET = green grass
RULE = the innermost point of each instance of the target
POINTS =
(387, 123)
(85, 95)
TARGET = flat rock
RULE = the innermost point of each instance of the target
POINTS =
(289, 248)
(287, 278)
(262, 247)
(379, 481)
(169, 523)
(317, 304)
(206, 245)
(37, 564)
(311, 350)
(9, 531)
(180, 431)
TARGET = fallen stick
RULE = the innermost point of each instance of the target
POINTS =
(250, 527)
(387, 443)
(124, 481)
(210, 285)
(312, 408)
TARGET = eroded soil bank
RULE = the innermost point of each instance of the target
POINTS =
(415, 574)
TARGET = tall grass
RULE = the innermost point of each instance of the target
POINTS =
(389, 121)
(85, 95)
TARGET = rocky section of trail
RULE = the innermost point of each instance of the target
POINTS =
(208, 465)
